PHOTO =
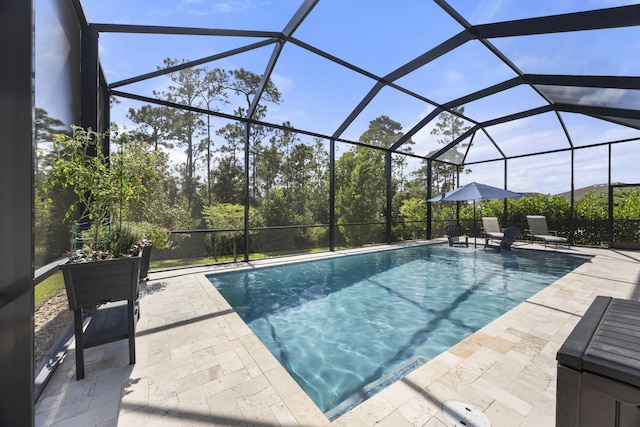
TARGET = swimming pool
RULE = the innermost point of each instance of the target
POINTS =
(346, 327)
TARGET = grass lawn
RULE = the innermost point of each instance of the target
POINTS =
(185, 262)
(48, 288)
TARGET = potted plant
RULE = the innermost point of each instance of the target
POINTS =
(104, 265)
(140, 237)
(155, 236)
(107, 266)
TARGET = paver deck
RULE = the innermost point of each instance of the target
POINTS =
(199, 364)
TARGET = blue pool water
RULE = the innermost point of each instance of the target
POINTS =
(346, 327)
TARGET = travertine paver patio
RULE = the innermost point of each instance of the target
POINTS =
(199, 364)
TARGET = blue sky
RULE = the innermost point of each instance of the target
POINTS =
(381, 36)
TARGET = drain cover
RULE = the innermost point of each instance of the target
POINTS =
(464, 415)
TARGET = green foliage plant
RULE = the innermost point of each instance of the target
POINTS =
(414, 209)
(360, 193)
(123, 237)
(126, 235)
(101, 183)
(157, 234)
(227, 216)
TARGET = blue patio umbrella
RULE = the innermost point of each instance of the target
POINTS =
(475, 191)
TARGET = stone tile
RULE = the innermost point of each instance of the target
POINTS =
(418, 409)
(502, 373)
(540, 417)
(104, 415)
(198, 378)
(227, 345)
(423, 376)
(193, 407)
(173, 375)
(271, 396)
(157, 370)
(465, 348)
(506, 398)
(181, 356)
(200, 343)
(159, 354)
(107, 392)
(164, 418)
(374, 410)
(135, 418)
(534, 388)
(225, 382)
(500, 414)
(467, 392)
(476, 396)
(228, 331)
(230, 361)
(250, 387)
(282, 382)
(61, 414)
(282, 413)
(240, 329)
(399, 393)
(476, 364)
(259, 353)
(435, 422)
(135, 399)
(255, 411)
(224, 409)
(248, 362)
(304, 410)
(204, 358)
(501, 344)
(350, 419)
(394, 420)
(71, 397)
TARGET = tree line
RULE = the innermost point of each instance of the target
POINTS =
(288, 176)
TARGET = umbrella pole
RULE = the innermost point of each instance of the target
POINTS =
(474, 224)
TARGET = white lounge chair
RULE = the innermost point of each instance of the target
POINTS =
(538, 230)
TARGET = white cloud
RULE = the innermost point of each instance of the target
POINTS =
(612, 3)
(485, 12)
(602, 97)
(528, 61)
(454, 76)
(283, 83)
(223, 7)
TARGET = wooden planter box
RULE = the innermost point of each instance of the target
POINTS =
(144, 264)
(93, 283)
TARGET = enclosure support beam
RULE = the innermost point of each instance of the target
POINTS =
(247, 198)
(332, 195)
(89, 80)
(429, 195)
(505, 213)
(572, 207)
(610, 204)
(16, 215)
(387, 170)
(456, 185)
